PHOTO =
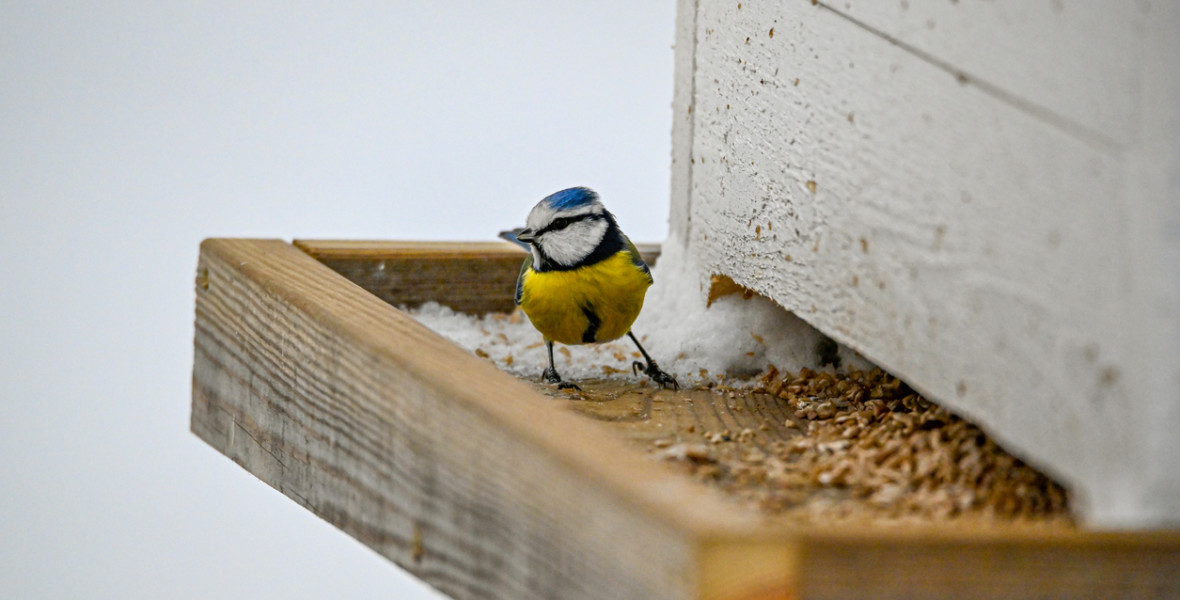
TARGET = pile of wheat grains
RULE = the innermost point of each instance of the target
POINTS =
(868, 446)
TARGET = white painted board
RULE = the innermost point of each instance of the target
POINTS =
(970, 194)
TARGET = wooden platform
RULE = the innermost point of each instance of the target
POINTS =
(485, 488)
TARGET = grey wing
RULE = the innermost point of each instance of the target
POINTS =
(524, 268)
(636, 258)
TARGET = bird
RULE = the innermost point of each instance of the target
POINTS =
(583, 281)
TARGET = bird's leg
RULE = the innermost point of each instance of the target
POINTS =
(651, 369)
(550, 375)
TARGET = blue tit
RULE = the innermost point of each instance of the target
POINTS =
(583, 281)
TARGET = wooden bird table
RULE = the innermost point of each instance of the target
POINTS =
(307, 376)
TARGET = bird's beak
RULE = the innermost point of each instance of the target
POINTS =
(526, 235)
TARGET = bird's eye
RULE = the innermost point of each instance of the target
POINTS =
(560, 223)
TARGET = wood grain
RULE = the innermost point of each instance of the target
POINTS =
(474, 277)
(485, 488)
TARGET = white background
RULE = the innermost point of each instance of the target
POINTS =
(130, 131)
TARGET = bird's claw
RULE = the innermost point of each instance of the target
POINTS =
(651, 370)
(550, 376)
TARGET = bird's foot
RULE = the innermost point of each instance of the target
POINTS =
(652, 370)
(550, 376)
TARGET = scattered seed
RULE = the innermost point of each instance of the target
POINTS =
(871, 446)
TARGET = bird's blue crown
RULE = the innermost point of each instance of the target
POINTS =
(572, 198)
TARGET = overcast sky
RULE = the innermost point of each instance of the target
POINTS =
(129, 131)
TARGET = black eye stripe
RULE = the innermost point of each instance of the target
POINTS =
(563, 222)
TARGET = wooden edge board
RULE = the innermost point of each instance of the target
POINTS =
(369, 249)
(452, 469)
(1019, 567)
(377, 249)
(484, 488)
(470, 277)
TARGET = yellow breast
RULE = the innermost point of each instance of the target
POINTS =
(595, 303)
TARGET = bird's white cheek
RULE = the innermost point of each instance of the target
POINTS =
(574, 243)
(558, 248)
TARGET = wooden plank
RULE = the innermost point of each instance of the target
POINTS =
(1075, 64)
(484, 488)
(410, 273)
(683, 121)
(474, 277)
(906, 567)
